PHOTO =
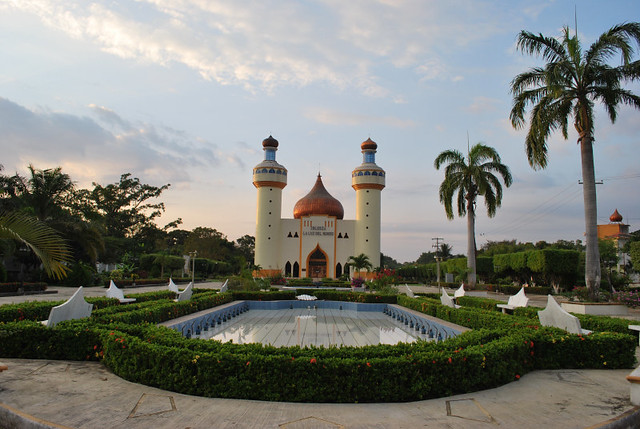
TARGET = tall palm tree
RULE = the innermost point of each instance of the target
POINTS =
(471, 177)
(568, 86)
(47, 245)
(360, 262)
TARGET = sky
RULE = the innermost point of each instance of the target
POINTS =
(183, 92)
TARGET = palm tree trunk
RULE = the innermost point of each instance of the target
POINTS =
(471, 244)
(592, 256)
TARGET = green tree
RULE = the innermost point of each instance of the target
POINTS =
(210, 243)
(360, 262)
(567, 87)
(246, 246)
(123, 208)
(608, 258)
(470, 178)
(45, 243)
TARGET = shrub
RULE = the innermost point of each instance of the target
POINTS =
(129, 343)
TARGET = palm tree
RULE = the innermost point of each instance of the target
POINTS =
(47, 245)
(471, 177)
(360, 262)
(568, 86)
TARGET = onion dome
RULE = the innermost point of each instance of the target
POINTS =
(318, 202)
(615, 217)
(369, 145)
(270, 142)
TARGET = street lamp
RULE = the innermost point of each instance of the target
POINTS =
(193, 270)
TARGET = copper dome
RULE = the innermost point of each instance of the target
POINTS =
(369, 145)
(269, 142)
(615, 217)
(318, 202)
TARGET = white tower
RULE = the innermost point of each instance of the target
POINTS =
(368, 180)
(270, 178)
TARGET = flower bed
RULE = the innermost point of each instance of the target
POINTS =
(136, 349)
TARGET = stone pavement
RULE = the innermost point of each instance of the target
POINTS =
(44, 394)
(66, 394)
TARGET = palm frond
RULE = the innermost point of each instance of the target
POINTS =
(47, 245)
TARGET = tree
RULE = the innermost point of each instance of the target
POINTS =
(246, 246)
(360, 262)
(123, 208)
(45, 243)
(471, 177)
(567, 87)
(209, 243)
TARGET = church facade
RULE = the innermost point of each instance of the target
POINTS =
(317, 242)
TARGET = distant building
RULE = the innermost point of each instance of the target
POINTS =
(619, 233)
(317, 242)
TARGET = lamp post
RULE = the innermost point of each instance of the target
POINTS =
(193, 270)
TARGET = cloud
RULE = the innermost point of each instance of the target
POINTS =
(271, 43)
(89, 148)
(483, 104)
(334, 117)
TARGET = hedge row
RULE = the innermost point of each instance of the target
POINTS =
(157, 356)
(26, 287)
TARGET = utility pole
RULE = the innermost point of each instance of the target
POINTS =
(437, 246)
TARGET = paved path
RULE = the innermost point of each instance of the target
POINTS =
(87, 395)
(44, 394)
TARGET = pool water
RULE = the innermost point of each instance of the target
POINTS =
(312, 326)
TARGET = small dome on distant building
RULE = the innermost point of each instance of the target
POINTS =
(318, 202)
(269, 142)
(615, 217)
(369, 144)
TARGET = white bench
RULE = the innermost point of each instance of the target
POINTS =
(517, 300)
(172, 286)
(114, 292)
(225, 286)
(445, 299)
(634, 379)
(635, 328)
(558, 317)
(185, 295)
(410, 293)
(74, 308)
(459, 292)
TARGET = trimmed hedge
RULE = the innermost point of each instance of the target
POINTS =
(26, 287)
(134, 348)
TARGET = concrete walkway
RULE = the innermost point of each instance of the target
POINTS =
(41, 394)
(67, 394)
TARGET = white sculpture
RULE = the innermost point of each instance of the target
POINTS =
(459, 292)
(517, 300)
(410, 293)
(445, 299)
(225, 286)
(558, 317)
(74, 308)
(172, 286)
(114, 292)
(185, 295)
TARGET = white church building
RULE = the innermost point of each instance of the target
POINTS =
(318, 241)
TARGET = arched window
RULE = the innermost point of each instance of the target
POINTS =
(287, 269)
(296, 269)
(366, 173)
(338, 270)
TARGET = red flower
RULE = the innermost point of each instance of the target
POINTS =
(449, 360)
(248, 363)
(517, 376)
(313, 360)
(368, 364)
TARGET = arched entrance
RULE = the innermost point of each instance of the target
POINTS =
(317, 263)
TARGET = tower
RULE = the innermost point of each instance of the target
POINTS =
(269, 178)
(368, 180)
